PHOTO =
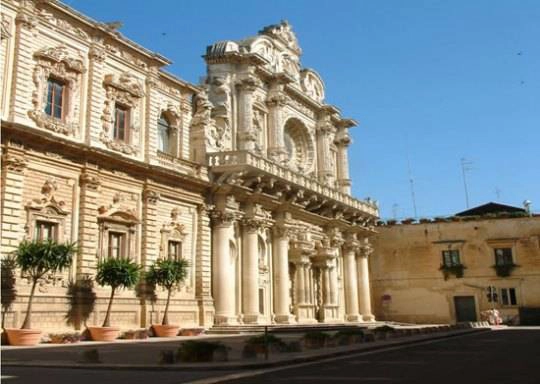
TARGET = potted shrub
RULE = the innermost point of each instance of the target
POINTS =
(116, 273)
(36, 259)
(167, 273)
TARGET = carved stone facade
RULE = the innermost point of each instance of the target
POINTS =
(245, 176)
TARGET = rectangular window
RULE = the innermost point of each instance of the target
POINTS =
(45, 231)
(508, 296)
(117, 244)
(55, 98)
(175, 250)
(503, 256)
(121, 123)
(451, 257)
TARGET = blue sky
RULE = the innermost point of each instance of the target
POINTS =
(429, 81)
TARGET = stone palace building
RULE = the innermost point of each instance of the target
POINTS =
(246, 176)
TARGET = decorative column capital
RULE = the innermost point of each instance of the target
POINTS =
(251, 224)
(282, 230)
(151, 196)
(222, 218)
(89, 181)
(248, 83)
(366, 249)
(14, 163)
(28, 20)
(97, 53)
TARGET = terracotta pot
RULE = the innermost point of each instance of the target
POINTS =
(165, 330)
(104, 333)
(24, 337)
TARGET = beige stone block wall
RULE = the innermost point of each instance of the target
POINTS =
(408, 286)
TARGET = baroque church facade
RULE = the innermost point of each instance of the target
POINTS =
(246, 176)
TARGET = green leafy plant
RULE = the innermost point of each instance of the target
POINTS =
(201, 351)
(36, 259)
(82, 299)
(316, 339)
(168, 274)
(9, 293)
(116, 273)
(455, 269)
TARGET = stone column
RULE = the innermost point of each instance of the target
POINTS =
(343, 140)
(247, 138)
(276, 101)
(363, 282)
(282, 300)
(250, 271)
(223, 277)
(351, 281)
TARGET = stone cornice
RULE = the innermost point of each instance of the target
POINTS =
(79, 152)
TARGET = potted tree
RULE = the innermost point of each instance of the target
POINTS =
(168, 274)
(36, 259)
(116, 273)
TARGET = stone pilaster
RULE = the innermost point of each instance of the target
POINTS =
(94, 125)
(247, 138)
(150, 233)
(152, 114)
(13, 215)
(26, 24)
(276, 101)
(203, 268)
(88, 226)
(363, 281)
(350, 249)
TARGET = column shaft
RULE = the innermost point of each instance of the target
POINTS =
(223, 274)
(363, 288)
(282, 299)
(351, 285)
(250, 275)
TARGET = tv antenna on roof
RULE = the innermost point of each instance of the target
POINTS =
(466, 166)
(411, 184)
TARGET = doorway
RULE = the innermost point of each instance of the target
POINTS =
(465, 308)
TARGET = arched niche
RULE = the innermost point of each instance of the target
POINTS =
(299, 146)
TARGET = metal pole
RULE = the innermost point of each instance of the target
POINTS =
(463, 164)
(266, 342)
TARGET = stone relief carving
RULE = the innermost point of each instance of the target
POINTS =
(59, 63)
(312, 85)
(216, 137)
(63, 24)
(127, 90)
(5, 25)
(283, 32)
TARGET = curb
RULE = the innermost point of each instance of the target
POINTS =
(239, 366)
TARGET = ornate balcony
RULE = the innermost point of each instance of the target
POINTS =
(248, 170)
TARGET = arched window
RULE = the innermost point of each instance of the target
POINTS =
(164, 135)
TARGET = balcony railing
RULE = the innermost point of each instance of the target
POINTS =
(238, 158)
